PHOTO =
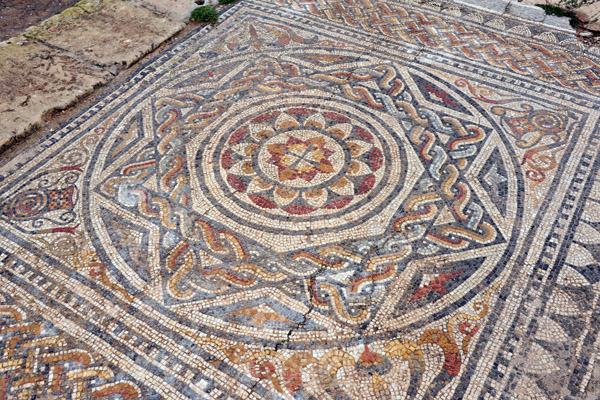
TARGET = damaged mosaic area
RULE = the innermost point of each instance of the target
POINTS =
(314, 200)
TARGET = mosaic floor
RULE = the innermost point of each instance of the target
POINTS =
(315, 200)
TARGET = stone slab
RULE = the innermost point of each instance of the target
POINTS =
(527, 11)
(179, 10)
(35, 80)
(85, 30)
(497, 6)
(559, 22)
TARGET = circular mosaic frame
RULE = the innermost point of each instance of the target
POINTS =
(225, 196)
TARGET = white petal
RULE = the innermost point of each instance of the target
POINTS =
(579, 256)
(316, 121)
(285, 121)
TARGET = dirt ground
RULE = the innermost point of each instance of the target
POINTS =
(17, 15)
(589, 13)
(60, 118)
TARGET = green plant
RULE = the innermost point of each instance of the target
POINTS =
(561, 12)
(577, 3)
(227, 1)
(205, 14)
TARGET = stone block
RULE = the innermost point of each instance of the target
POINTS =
(526, 11)
(131, 30)
(497, 6)
(179, 10)
(35, 80)
(563, 23)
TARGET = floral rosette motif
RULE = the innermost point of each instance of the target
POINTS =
(300, 161)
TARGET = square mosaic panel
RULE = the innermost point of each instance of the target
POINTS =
(315, 200)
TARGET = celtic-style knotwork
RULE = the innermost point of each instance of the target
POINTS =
(531, 59)
(424, 207)
(295, 159)
(38, 362)
(341, 201)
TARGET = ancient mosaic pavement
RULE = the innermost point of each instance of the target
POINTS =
(315, 200)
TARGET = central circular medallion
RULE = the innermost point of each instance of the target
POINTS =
(302, 161)
(300, 166)
(301, 158)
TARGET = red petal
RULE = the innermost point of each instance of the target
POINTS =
(238, 135)
(226, 159)
(335, 116)
(339, 203)
(366, 185)
(363, 134)
(262, 201)
(265, 117)
(236, 183)
(376, 159)
(300, 111)
(298, 210)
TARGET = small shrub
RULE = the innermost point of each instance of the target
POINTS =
(205, 14)
(227, 1)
